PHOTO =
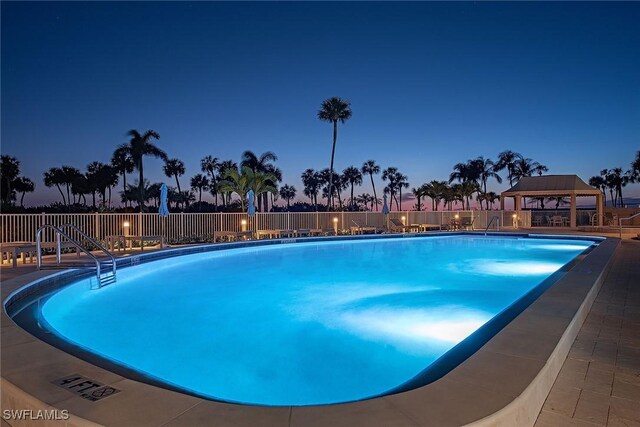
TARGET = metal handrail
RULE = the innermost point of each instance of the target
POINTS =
(59, 234)
(491, 222)
(625, 219)
(93, 242)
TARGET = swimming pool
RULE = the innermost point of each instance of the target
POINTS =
(308, 323)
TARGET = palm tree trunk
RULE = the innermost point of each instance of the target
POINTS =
(375, 196)
(22, 199)
(68, 196)
(64, 202)
(352, 196)
(333, 152)
(140, 186)
(124, 186)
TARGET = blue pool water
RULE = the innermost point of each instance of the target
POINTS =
(305, 323)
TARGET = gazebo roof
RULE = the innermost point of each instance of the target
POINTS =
(551, 185)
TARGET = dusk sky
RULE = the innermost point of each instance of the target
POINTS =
(431, 84)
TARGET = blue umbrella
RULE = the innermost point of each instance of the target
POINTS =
(251, 209)
(385, 207)
(164, 210)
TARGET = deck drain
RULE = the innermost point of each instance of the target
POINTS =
(85, 387)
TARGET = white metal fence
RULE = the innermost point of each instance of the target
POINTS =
(181, 226)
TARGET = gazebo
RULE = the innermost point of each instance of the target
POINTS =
(554, 186)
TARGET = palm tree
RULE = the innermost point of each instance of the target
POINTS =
(485, 169)
(210, 165)
(467, 190)
(9, 171)
(55, 176)
(123, 163)
(600, 183)
(236, 182)
(81, 187)
(260, 164)
(312, 183)
(140, 145)
(419, 193)
(223, 167)
(199, 182)
(23, 185)
(353, 177)
(401, 182)
(507, 160)
(524, 167)
(333, 110)
(174, 168)
(371, 168)
(635, 168)
(288, 192)
(491, 197)
(390, 174)
(461, 173)
(69, 175)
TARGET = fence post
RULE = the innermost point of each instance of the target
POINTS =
(288, 221)
(181, 224)
(140, 231)
(96, 225)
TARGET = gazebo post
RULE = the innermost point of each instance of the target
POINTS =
(573, 211)
(600, 209)
(517, 201)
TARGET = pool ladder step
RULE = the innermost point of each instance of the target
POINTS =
(101, 279)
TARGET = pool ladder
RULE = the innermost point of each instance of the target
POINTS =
(101, 279)
(497, 219)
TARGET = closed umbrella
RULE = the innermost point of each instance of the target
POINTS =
(164, 209)
(251, 209)
(385, 207)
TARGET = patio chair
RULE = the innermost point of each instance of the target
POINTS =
(395, 225)
(363, 229)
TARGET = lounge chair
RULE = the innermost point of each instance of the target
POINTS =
(363, 229)
(395, 225)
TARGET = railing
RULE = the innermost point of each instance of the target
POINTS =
(59, 233)
(183, 226)
(497, 219)
(625, 219)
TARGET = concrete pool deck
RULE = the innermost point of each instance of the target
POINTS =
(497, 379)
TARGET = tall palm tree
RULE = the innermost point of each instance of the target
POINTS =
(371, 168)
(524, 167)
(333, 110)
(55, 176)
(141, 145)
(485, 169)
(174, 168)
(353, 177)
(288, 192)
(81, 188)
(507, 160)
(23, 185)
(461, 173)
(69, 174)
(123, 163)
(199, 182)
(468, 189)
(9, 171)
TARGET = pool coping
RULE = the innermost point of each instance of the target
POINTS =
(503, 383)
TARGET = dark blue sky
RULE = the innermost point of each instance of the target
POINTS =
(431, 84)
